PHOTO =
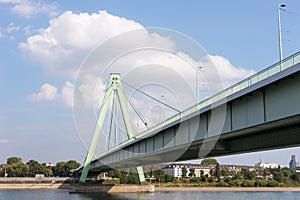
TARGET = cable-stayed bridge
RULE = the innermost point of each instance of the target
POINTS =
(259, 113)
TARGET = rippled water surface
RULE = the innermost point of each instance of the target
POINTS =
(63, 194)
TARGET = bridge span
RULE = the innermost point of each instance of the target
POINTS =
(262, 112)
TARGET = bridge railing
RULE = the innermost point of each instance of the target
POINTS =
(260, 76)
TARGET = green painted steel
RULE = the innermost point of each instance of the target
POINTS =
(141, 174)
(125, 111)
(260, 76)
(113, 85)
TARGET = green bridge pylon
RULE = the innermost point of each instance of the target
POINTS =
(114, 86)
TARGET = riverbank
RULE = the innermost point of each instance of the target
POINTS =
(34, 186)
(54, 186)
(229, 189)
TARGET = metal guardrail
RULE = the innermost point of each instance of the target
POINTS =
(260, 76)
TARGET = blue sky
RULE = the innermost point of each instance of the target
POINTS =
(36, 125)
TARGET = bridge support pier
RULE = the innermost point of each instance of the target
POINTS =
(141, 174)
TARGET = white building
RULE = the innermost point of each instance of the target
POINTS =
(262, 165)
(176, 169)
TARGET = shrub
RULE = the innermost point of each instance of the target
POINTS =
(260, 183)
(210, 179)
(204, 178)
(168, 178)
(247, 183)
(235, 183)
(195, 180)
(272, 183)
(222, 184)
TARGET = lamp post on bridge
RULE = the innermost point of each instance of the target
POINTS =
(279, 6)
(197, 84)
(162, 97)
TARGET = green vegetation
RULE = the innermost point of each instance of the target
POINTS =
(16, 168)
(218, 177)
(209, 161)
(184, 172)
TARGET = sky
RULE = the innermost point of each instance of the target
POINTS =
(44, 43)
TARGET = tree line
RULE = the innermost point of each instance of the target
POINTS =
(15, 167)
(217, 177)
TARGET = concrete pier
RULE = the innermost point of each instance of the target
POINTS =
(111, 188)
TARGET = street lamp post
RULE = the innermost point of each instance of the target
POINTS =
(279, 34)
(162, 97)
(197, 85)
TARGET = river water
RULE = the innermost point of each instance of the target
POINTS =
(64, 195)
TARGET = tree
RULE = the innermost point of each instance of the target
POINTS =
(70, 165)
(64, 169)
(237, 176)
(248, 175)
(209, 161)
(272, 183)
(286, 172)
(278, 176)
(18, 169)
(133, 179)
(203, 178)
(158, 172)
(184, 172)
(192, 172)
(225, 172)
(59, 170)
(295, 177)
(201, 173)
(13, 160)
(168, 178)
(36, 168)
(218, 171)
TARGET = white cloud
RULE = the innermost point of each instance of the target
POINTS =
(50, 93)
(10, 1)
(3, 141)
(67, 94)
(228, 72)
(62, 47)
(28, 8)
(47, 93)
(9, 30)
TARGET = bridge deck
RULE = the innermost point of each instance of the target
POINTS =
(272, 74)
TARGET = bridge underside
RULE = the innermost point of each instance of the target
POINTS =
(264, 116)
(279, 134)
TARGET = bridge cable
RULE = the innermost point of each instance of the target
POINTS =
(289, 12)
(136, 111)
(151, 97)
(111, 119)
(115, 120)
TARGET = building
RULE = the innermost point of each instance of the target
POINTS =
(262, 165)
(200, 170)
(175, 169)
(238, 168)
(293, 163)
(49, 164)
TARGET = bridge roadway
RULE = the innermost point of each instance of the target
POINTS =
(262, 113)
